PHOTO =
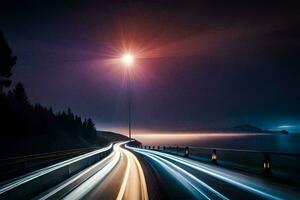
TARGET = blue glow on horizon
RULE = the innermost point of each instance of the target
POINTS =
(292, 128)
(286, 126)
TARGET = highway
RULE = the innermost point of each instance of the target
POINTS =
(134, 173)
(197, 180)
(47, 170)
(118, 176)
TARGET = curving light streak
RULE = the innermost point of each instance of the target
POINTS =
(134, 183)
(234, 180)
(191, 182)
(224, 177)
(88, 185)
(125, 179)
(41, 172)
(60, 187)
(177, 175)
(195, 179)
(142, 178)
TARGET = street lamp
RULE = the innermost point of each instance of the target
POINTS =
(128, 60)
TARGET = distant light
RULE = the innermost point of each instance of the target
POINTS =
(128, 59)
(286, 126)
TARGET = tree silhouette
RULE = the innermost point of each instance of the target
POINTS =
(19, 93)
(90, 126)
(20, 119)
(7, 61)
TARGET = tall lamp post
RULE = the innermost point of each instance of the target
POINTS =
(128, 60)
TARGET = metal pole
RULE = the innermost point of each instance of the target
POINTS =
(129, 101)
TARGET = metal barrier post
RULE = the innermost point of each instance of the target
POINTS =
(214, 156)
(267, 165)
(186, 152)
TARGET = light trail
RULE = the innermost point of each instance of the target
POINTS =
(133, 184)
(195, 179)
(232, 179)
(77, 177)
(120, 176)
(41, 172)
(89, 184)
(197, 187)
(125, 179)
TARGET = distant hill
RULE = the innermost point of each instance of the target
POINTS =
(111, 136)
(243, 128)
(247, 128)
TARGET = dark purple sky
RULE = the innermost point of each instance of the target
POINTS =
(203, 65)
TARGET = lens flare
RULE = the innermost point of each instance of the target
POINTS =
(128, 59)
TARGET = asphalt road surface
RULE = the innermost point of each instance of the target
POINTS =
(173, 177)
(118, 176)
(133, 173)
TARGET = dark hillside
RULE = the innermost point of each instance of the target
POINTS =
(29, 129)
(111, 136)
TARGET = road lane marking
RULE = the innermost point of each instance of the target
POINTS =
(133, 170)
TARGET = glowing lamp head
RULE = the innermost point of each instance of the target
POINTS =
(128, 59)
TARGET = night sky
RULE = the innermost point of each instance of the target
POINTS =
(199, 65)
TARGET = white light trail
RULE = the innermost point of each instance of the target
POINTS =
(190, 186)
(41, 172)
(89, 184)
(133, 185)
(77, 177)
(248, 186)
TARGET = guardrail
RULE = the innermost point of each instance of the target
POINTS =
(16, 166)
(283, 165)
(38, 181)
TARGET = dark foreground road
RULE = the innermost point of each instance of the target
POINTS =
(131, 173)
(118, 176)
(173, 177)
